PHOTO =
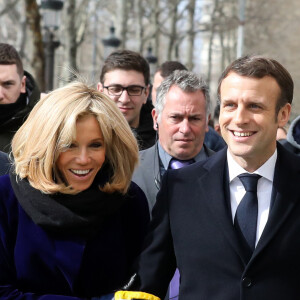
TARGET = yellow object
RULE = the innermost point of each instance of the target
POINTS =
(129, 295)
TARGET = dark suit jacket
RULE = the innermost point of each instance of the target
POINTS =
(147, 175)
(192, 229)
(4, 163)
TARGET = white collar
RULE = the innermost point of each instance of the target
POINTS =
(266, 170)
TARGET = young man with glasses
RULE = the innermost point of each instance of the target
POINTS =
(125, 79)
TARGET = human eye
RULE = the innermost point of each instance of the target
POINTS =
(115, 89)
(8, 83)
(68, 147)
(134, 90)
(195, 118)
(254, 106)
(175, 118)
(71, 146)
(96, 145)
(228, 105)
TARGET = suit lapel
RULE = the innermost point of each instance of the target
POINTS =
(285, 196)
(214, 190)
(151, 167)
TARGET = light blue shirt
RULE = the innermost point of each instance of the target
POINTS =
(165, 157)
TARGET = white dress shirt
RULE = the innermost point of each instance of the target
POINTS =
(264, 189)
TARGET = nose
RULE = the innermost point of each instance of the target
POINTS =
(124, 98)
(185, 127)
(241, 115)
(83, 157)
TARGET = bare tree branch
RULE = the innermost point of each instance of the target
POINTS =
(8, 7)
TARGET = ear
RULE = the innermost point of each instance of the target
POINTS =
(154, 117)
(147, 90)
(23, 85)
(217, 128)
(206, 127)
(284, 115)
(100, 87)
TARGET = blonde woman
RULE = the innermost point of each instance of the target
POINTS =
(71, 221)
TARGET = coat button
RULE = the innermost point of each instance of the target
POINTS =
(247, 282)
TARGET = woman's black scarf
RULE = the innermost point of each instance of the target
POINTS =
(79, 215)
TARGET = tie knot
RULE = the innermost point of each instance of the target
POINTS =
(178, 164)
(249, 181)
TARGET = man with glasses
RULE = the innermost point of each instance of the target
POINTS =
(125, 79)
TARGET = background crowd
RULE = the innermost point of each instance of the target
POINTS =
(85, 168)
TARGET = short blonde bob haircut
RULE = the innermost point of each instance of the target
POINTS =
(51, 128)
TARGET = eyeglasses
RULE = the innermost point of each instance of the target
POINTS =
(117, 90)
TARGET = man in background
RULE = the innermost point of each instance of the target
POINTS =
(292, 141)
(163, 71)
(212, 139)
(125, 79)
(18, 94)
(180, 117)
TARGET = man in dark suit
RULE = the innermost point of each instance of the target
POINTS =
(196, 224)
(180, 117)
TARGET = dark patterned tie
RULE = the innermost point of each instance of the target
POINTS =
(174, 284)
(245, 220)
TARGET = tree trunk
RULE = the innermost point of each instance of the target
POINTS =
(211, 40)
(191, 34)
(139, 25)
(33, 21)
(156, 29)
(173, 33)
(70, 45)
(122, 25)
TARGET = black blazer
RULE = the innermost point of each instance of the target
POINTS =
(4, 163)
(192, 229)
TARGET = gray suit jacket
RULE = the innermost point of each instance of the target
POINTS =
(147, 175)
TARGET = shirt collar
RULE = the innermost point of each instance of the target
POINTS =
(266, 170)
(165, 157)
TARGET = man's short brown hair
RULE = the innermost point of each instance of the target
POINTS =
(10, 56)
(256, 66)
(126, 60)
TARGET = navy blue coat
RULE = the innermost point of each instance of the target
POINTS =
(35, 264)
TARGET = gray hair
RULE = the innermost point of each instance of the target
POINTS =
(188, 82)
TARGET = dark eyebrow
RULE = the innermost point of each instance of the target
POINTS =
(225, 100)
(9, 81)
(177, 114)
